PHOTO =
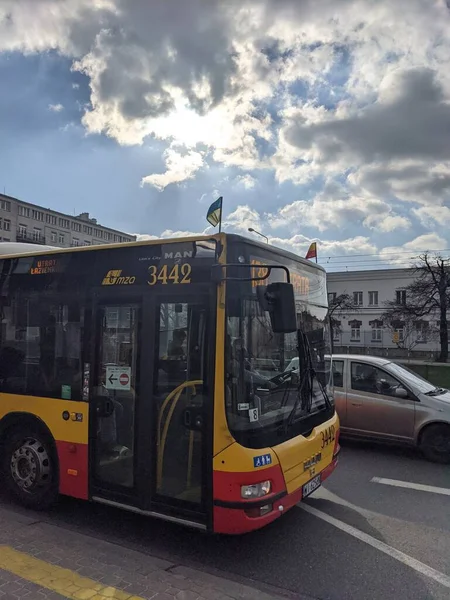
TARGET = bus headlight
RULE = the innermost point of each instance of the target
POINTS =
(257, 490)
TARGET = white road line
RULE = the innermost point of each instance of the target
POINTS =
(389, 550)
(413, 486)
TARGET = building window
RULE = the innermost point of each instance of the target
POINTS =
(331, 297)
(51, 219)
(107, 236)
(357, 298)
(5, 205)
(36, 234)
(87, 229)
(24, 211)
(53, 236)
(373, 298)
(400, 296)
(355, 334)
(76, 226)
(76, 242)
(37, 215)
(87, 243)
(398, 335)
(377, 334)
(61, 238)
(64, 223)
(22, 230)
(421, 332)
(98, 233)
(7, 225)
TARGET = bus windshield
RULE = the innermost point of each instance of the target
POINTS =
(265, 387)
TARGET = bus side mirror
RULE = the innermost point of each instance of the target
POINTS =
(279, 300)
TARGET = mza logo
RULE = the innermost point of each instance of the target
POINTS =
(115, 277)
(314, 460)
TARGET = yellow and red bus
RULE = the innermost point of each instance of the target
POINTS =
(185, 379)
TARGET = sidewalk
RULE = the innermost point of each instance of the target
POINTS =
(41, 561)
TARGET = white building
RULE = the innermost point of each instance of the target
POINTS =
(24, 222)
(364, 329)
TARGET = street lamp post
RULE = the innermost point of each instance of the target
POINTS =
(259, 233)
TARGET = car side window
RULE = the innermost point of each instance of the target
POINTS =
(338, 373)
(367, 378)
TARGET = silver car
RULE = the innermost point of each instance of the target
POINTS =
(379, 399)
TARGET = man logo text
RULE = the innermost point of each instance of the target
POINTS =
(115, 277)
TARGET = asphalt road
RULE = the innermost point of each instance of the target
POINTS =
(354, 539)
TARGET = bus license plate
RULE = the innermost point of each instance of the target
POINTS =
(311, 486)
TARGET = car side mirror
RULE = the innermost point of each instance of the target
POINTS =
(279, 300)
(400, 392)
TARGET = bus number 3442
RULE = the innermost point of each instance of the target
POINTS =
(328, 436)
(177, 274)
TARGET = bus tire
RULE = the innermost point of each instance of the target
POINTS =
(30, 466)
(435, 443)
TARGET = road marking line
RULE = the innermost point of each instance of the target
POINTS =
(413, 486)
(382, 546)
(67, 583)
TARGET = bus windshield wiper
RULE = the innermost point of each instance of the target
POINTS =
(305, 390)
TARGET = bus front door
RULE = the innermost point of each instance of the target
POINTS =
(149, 407)
(180, 402)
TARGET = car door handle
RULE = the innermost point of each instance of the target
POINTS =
(356, 403)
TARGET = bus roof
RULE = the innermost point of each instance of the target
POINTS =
(18, 249)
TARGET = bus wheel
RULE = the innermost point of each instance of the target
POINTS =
(30, 468)
(435, 443)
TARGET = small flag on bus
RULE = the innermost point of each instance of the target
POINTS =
(214, 214)
(312, 251)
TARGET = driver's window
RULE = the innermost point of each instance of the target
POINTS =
(368, 378)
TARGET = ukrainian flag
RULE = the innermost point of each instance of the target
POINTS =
(214, 214)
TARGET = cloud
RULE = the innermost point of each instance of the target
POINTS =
(335, 207)
(55, 107)
(407, 253)
(410, 120)
(247, 181)
(431, 215)
(326, 249)
(180, 167)
(242, 218)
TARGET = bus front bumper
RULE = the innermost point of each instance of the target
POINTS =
(242, 517)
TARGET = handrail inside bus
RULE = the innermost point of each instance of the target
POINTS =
(174, 395)
(248, 266)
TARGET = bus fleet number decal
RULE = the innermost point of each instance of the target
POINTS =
(327, 436)
(177, 274)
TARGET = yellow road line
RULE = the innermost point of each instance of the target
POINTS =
(52, 577)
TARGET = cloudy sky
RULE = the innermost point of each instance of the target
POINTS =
(322, 120)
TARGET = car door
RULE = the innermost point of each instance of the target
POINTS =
(373, 406)
(340, 393)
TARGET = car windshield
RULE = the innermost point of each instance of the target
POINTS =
(263, 375)
(411, 378)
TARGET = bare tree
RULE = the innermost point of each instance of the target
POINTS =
(337, 306)
(408, 332)
(427, 296)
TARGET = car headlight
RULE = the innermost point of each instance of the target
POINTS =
(257, 490)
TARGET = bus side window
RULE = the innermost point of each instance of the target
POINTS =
(40, 346)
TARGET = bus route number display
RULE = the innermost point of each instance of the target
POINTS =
(165, 275)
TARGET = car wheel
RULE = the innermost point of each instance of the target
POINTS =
(30, 467)
(435, 443)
